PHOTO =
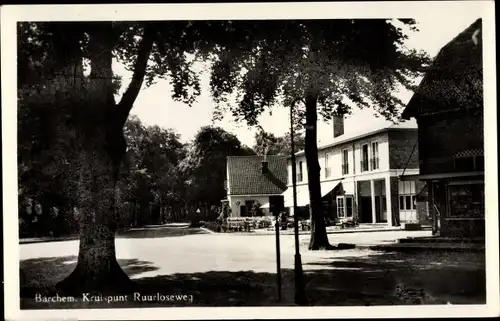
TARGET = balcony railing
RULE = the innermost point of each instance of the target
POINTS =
(374, 163)
(345, 169)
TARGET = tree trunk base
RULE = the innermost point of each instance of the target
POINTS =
(318, 247)
(112, 280)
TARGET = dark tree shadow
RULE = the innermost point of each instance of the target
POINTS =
(158, 232)
(40, 275)
(378, 279)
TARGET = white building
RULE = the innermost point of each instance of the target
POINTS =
(360, 175)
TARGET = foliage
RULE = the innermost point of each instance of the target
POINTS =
(205, 164)
(268, 144)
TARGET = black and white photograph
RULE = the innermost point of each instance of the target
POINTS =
(181, 160)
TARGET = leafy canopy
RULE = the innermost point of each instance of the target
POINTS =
(347, 62)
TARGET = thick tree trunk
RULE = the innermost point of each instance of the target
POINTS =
(319, 238)
(97, 268)
(99, 150)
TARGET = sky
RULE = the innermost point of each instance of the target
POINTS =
(154, 105)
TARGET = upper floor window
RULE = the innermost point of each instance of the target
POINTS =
(345, 162)
(300, 172)
(328, 170)
(375, 159)
(364, 158)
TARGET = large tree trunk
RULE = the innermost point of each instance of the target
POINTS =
(319, 238)
(100, 147)
(97, 268)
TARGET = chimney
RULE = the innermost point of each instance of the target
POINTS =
(265, 169)
(338, 125)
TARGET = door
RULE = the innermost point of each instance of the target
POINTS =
(366, 210)
(243, 210)
(439, 200)
(377, 209)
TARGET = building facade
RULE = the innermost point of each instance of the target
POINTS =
(250, 182)
(448, 107)
(360, 176)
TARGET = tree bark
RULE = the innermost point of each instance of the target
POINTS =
(99, 150)
(97, 268)
(319, 237)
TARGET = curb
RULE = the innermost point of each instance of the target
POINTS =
(330, 232)
(48, 240)
(397, 247)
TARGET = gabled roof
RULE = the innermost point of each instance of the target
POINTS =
(454, 79)
(245, 175)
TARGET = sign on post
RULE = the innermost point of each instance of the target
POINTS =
(276, 204)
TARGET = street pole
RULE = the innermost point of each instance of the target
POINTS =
(278, 257)
(300, 295)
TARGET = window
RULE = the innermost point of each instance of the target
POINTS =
(375, 160)
(466, 200)
(247, 209)
(465, 162)
(327, 165)
(348, 206)
(408, 202)
(364, 158)
(300, 173)
(345, 206)
(345, 162)
(340, 207)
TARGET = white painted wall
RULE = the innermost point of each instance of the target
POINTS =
(235, 199)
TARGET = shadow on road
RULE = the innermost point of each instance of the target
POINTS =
(378, 279)
(41, 274)
(157, 232)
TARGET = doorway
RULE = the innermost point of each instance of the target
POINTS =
(378, 214)
(366, 210)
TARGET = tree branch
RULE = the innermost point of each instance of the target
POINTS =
(130, 95)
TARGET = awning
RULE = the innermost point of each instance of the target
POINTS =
(303, 193)
(424, 177)
(302, 196)
(327, 187)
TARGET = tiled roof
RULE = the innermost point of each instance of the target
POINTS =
(455, 77)
(245, 175)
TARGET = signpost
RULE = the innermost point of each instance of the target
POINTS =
(276, 206)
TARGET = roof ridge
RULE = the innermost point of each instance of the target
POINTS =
(254, 156)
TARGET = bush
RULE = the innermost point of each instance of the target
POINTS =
(195, 224)
(213, 226)
(264, 222)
